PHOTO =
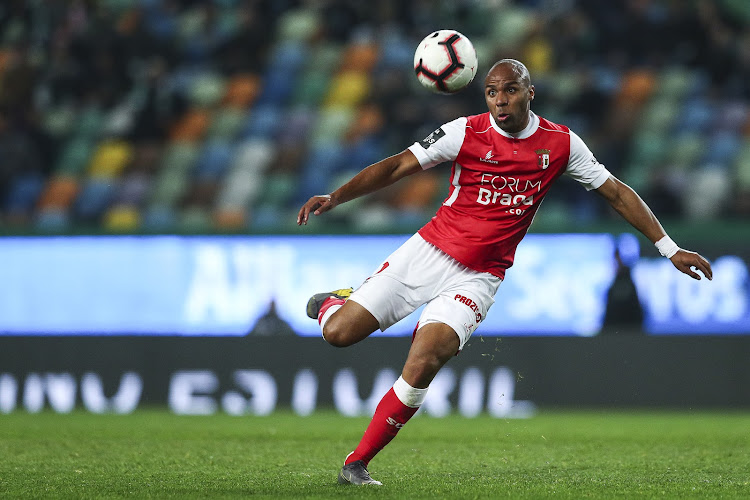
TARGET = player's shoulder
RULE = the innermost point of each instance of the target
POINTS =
(478, 122)
(551, 126)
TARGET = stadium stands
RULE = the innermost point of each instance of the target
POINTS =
(182, 116)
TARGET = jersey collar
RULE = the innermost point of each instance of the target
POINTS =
(523, 134)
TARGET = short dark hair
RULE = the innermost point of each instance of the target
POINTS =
(518, 68)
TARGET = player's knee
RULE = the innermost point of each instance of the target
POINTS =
(336, 333)
(422, 370)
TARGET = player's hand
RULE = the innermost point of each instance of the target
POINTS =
(685, 261)
(317, 205)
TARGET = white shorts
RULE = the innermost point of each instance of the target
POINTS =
(420, 273)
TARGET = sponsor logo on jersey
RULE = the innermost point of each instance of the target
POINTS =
(432, 138)
(542, 158)
(512, 192)
(471, 304)
(488, 158)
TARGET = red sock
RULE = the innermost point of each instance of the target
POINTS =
(390, 415)
(330, 301)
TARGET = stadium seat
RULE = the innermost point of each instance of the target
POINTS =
(180, 156)
(169, 188)
(649, 148)
(59, 193)
(94, 198)
(395, 51)
(322, 162)
(722, 147)
(732, 116)
(230, 219)
(687, 148)
(298, 125)
(510, 26)
(214, 160)
(191, 127)
(538, 55)
(263, 121)
(418, 193)
(226, 124)
(278, 189)
(266, 218)
(207, 89)
(707, 193)
(89, 123)
(312, 89)
(241, 91)
(244, 182)
(659, 116)
(742, 165)
(52, 220)
(133, 189)
(159, 218)
(697, 115)
(359, 57)
(298, 24)
(110, 159)
(325, 57)
(75, 156)
(288, 56)
(347, 89)
(195, 220)
(637, 87)
(362, 152)
(60, 121)
(122, 219)
(277, 88)
(331, 126)
(23, 193)
(675, 83)
(368, 120)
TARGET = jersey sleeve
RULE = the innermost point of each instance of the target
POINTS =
(583, 165)
(441, 145)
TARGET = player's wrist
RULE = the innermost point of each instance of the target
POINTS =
(667, 247)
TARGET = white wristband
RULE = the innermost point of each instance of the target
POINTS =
(667, 247)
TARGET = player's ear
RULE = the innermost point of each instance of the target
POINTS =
(531, 92)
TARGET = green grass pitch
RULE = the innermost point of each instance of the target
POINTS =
(557, 454)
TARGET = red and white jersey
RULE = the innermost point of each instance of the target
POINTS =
(498, 181)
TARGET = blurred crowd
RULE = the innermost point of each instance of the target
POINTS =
(168, 116)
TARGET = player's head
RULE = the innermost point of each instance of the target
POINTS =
(508, 92)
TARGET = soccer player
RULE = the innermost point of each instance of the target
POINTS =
(504, 162)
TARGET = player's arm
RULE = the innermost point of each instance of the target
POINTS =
(376, 176)
(633, 209)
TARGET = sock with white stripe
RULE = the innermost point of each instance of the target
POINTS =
(398, 405)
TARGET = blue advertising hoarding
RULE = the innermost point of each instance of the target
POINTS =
(221, 286)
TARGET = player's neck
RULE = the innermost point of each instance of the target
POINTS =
(531, 126)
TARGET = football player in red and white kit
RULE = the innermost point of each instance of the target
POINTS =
(503, 163)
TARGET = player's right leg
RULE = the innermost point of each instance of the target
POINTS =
(341, 321)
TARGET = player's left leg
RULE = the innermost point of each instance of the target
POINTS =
(342, 322)
(434, 344)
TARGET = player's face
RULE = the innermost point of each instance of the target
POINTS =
(508, 98)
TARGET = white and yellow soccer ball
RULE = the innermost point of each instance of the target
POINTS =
(445, 61)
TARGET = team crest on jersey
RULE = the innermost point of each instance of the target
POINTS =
(432, 138)
(542, 158)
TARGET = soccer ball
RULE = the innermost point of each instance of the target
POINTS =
(445, 61)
